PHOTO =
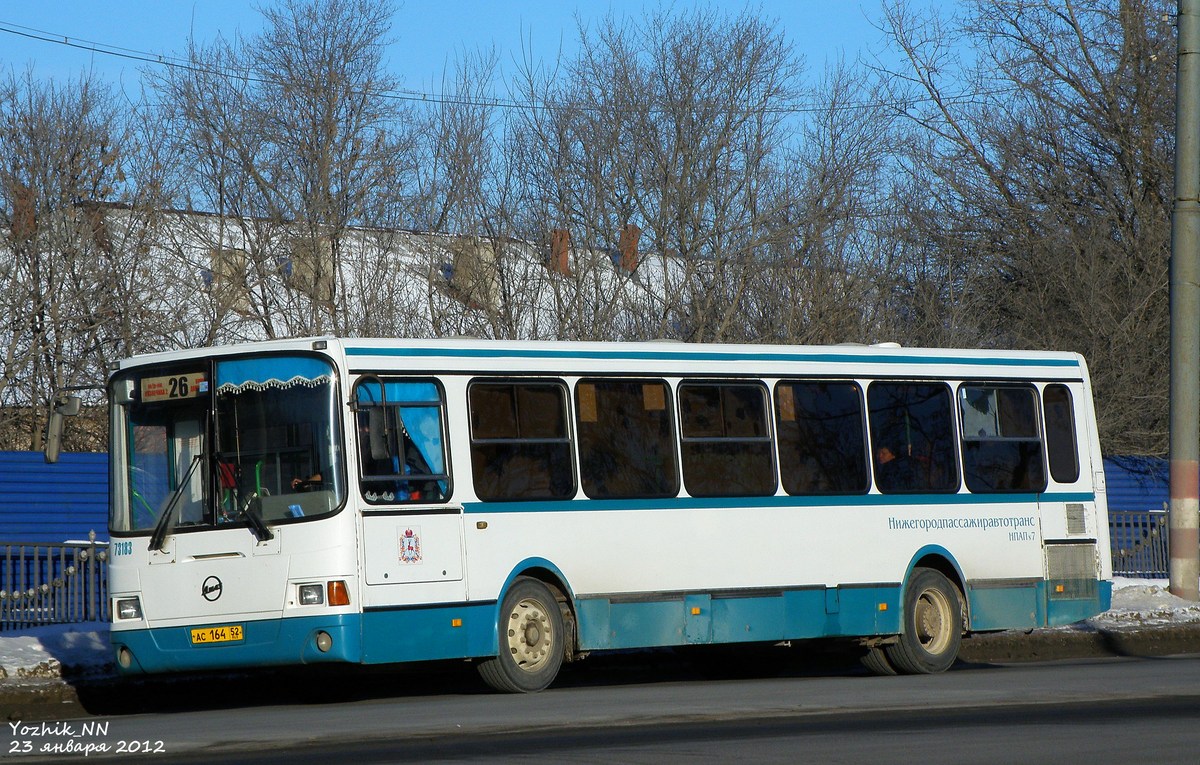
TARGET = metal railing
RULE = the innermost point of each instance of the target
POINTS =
(53, 583)
(1140, 543)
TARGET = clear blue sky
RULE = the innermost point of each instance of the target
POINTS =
(428, 33)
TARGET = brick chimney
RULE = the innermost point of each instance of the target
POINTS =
(628, 246)
(560, 249)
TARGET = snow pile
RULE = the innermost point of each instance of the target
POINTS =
(1142, 604)
(83, 649)
(55, 650)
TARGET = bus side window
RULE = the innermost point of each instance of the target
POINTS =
(626, 439)
(1061, 443)
(520, 447)
(1002, 449)
(822, 442)
(912, 437)
(727, 446)
(401, 447)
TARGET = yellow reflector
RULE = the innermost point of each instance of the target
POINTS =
(883, 606)
(456, 622)
(339, 594)
(1059, 588)
(695, 610)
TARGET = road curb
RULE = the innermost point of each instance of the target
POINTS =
(1084, 643)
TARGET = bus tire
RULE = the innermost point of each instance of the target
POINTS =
(877, 662)
(531, 634)
(932, 628)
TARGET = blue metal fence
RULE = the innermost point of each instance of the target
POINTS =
(1137, 515)
(1140, 543)
(53, 583)
(53, 527)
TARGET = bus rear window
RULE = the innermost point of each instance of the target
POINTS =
(1061, 443)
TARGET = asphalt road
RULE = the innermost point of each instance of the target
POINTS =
(634, 710)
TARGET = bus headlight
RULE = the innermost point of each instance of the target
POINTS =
(312, 594)
(129, 608)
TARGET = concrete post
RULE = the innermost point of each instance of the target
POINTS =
(1185, 313)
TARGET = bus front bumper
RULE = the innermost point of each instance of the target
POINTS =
(269, 642)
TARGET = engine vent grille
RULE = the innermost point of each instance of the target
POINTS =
(1071, 571)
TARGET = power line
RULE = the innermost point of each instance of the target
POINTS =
(160, 59)
(494, 102)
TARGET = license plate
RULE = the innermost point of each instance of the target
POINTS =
(223, 634)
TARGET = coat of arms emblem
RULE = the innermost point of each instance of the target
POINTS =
(410, 546)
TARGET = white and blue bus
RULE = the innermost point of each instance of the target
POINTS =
(522, 504)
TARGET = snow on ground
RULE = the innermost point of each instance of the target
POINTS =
(79, 649)
(82, 649)
(1144, 603)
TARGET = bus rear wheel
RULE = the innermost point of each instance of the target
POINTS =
(933, 625)
(531, 635)
(876, 660)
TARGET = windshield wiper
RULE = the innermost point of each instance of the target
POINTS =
(251, 508)
(257, 524)
(164, 525)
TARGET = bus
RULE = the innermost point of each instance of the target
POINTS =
(521, 504)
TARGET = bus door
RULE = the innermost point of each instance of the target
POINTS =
(412, 533)
(1067, 509)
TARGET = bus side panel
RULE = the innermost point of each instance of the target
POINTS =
(808, 612)
(1026, 606)
(865, 610)
(995, 606)
(605, 625)
(425, 633)
(1069, 611)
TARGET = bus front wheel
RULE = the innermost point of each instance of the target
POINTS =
(531, 635)
(932, 625)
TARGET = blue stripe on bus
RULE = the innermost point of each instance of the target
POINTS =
(705, 503)
(633, 355)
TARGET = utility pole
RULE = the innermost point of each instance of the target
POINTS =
(1185, 313)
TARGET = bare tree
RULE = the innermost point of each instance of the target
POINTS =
(1046, 167)
(827, 259)
(63, 264)
(288, 137)
(672, 123)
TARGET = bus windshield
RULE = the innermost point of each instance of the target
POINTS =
(253, 441)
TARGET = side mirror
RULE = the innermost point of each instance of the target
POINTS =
(64, 406)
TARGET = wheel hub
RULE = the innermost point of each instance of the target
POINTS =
(932, 619)
(530, 637)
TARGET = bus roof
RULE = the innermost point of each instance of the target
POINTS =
(473, 355)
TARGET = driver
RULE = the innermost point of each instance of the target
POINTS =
(311, 483)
